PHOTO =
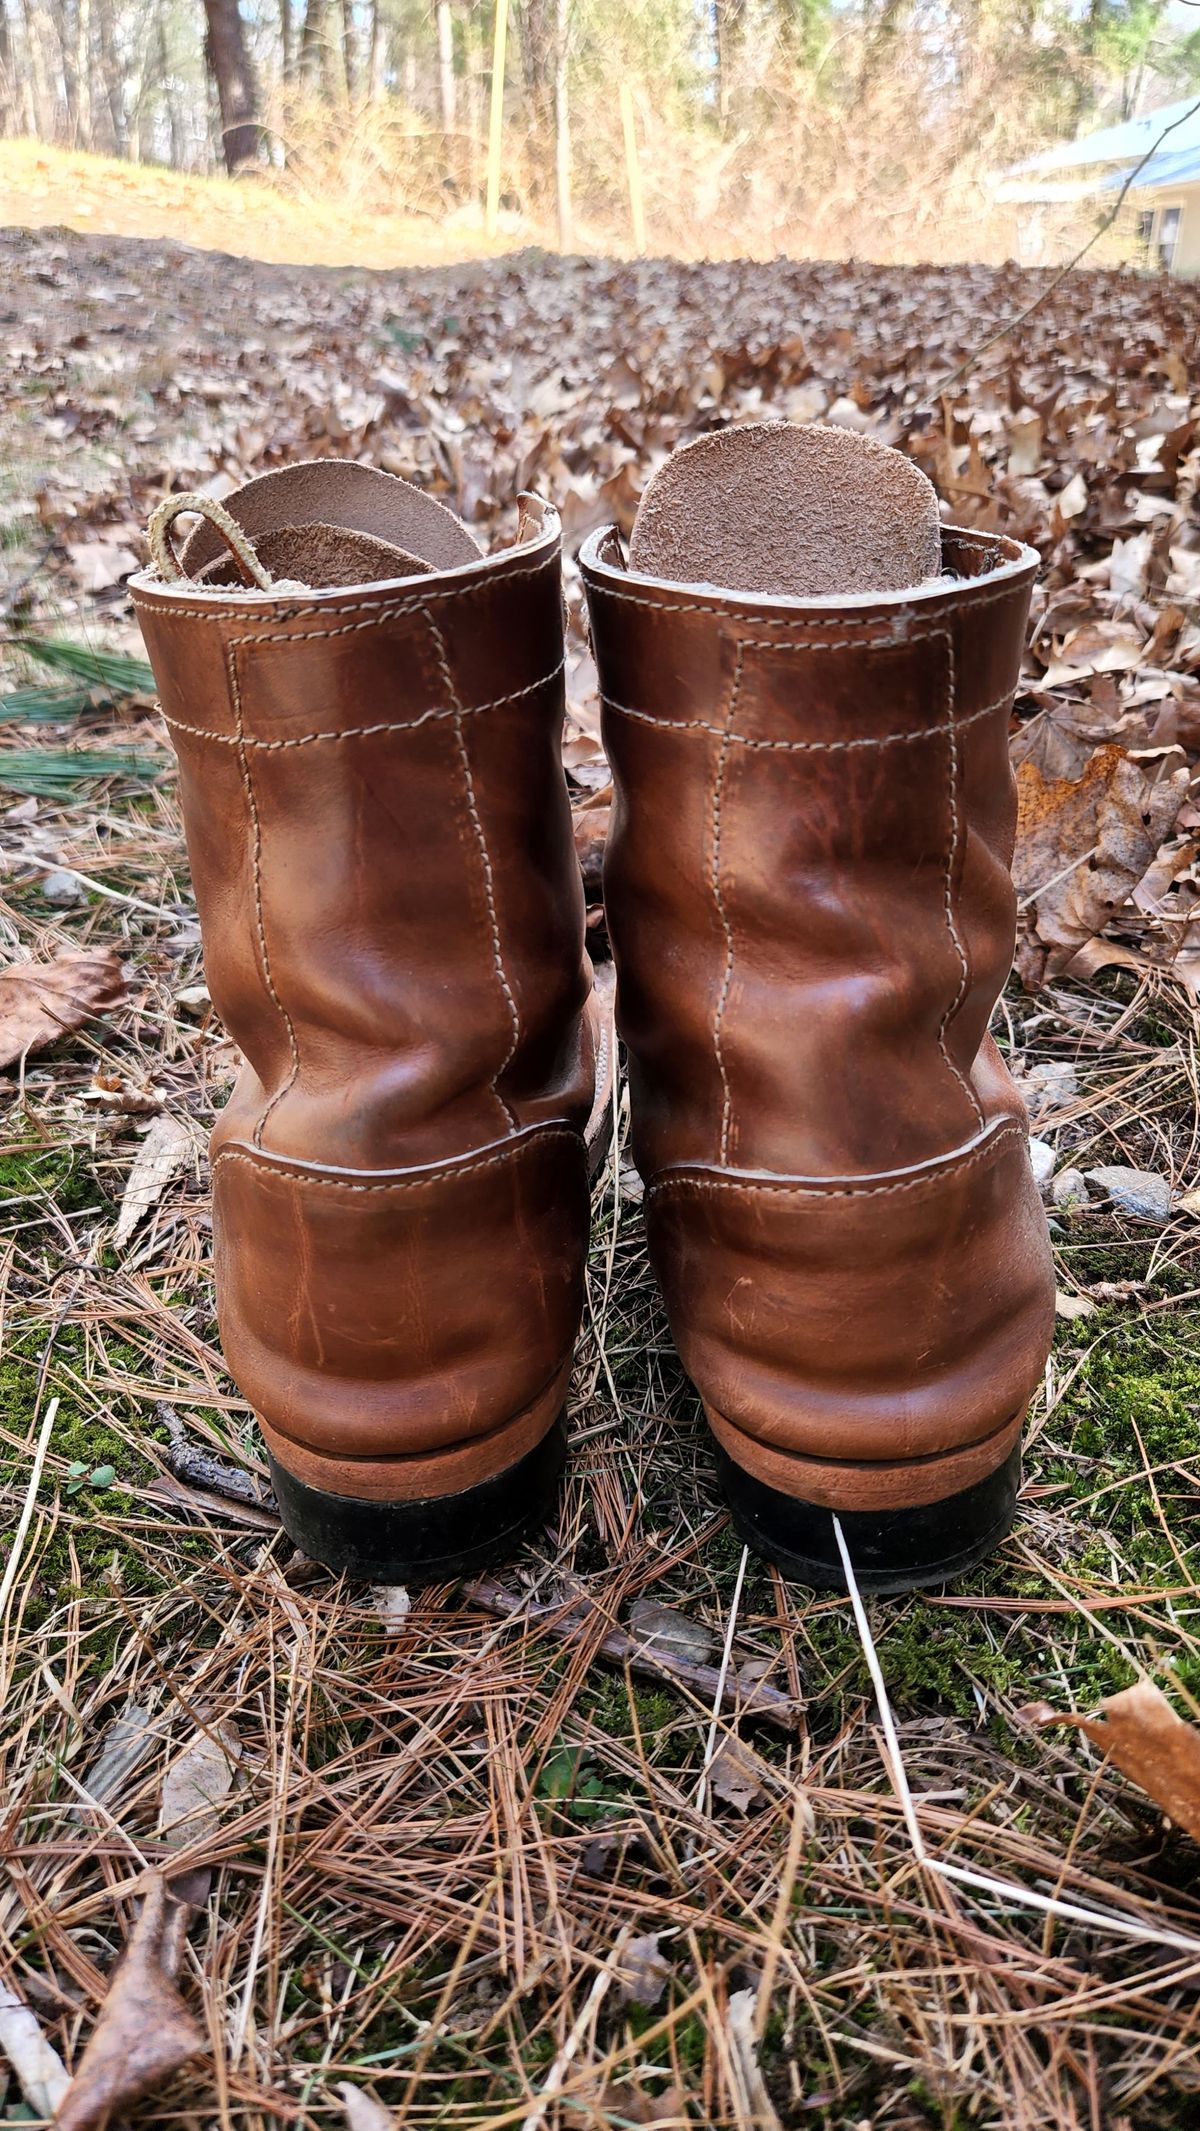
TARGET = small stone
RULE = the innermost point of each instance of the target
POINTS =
(1043, 1157)
(63, 889)
(1141, 1193)
(1069, 1190)
(1049, 1086)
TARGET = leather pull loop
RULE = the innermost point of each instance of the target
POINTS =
(167, 562)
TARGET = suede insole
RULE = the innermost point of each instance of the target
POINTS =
(777, 508)
(339, 492)
(319, 556)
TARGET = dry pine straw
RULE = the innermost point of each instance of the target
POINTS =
(449, 1830)
(443, 1827)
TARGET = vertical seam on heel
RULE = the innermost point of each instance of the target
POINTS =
(489, 878)
(235, 694)
(952, 851)
(735, 689)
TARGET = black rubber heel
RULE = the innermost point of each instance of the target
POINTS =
(891, 1550)
(429, 1541)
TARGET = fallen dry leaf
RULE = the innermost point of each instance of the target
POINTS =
(591, 832)
(100, 563)
(41, 2074)
(194, 1790)
(1141, 1734)
(626, 2104)
(642, 1972)
(736, 1775)
(1069, 1307)
(361, 2110)
(1083, 844)
(757, 2107)
(145, 2031)
(41, 1001)
(168, 1145)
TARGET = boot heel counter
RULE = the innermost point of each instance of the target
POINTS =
(422, 1318)
(868, 1320)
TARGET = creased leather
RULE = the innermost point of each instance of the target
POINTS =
(349, 1301)
(392, 914)
(808, 893)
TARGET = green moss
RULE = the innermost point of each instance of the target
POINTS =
(61, 1174)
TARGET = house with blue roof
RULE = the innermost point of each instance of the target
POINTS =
(1157, 156)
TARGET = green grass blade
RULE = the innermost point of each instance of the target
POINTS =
(113, 670)
(43, 706)
(62, 773)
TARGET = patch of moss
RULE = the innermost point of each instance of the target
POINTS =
(61, 1173)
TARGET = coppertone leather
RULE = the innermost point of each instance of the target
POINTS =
(809, 900)
(393, 919)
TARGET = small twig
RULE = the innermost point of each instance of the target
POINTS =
(620, 1648)
(196, 1467)
(95, 887)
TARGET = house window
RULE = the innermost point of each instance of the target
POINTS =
(1145, 225)
(1168, 236)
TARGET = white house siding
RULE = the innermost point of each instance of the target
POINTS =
(1187, 249)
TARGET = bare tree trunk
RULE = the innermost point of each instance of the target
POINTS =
(111, 77)
(727, 23)
(237, 91)
(473, 84)
(562, 128)
(8, 76)
(377, 57)
(447, 99)
(538, 67)
(287, 41)
(68, 58)
(174, 115)
(83, 71)
(40, 100)
(350, 50)
(314, 58)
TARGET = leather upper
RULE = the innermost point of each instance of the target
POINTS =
(808, 895)
(392, 914)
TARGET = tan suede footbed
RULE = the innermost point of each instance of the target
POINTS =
(779, 508)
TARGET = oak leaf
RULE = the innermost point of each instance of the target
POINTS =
(41, 1001)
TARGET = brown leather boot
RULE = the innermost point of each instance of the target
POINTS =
(367, 715)
(806, 687)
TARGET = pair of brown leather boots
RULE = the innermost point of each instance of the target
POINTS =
(806, 685)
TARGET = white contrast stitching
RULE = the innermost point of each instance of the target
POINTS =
(359, 732)
(808, 747)
(414, 604)
(256, 860)
(795, 1189)
(271, 1166)
(964, 980)
(948, 731)
(489, 879)
(735, 688)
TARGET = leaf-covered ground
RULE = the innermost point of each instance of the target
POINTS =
(470, 1861)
